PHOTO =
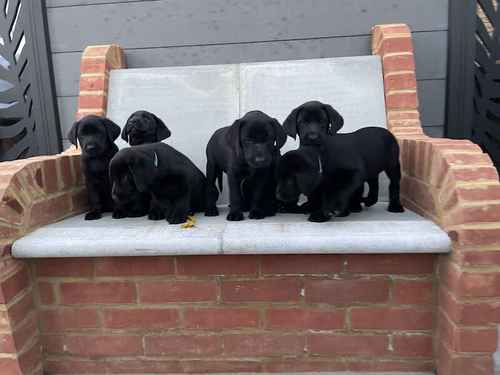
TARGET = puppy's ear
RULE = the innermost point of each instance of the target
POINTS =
(233, 136)
(162, 132)
(73, 133)
(279, 134)
(141, 169)
(290, 124)
(126, 129)
(336, 120)
(112, 130)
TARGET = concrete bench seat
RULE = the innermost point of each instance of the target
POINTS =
(373, 231)
(194, 102)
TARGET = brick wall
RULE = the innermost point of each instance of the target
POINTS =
(236, 313)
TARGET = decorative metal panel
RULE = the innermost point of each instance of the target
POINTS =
(28, 122)
(486, 128)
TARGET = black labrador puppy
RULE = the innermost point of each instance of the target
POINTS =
(333, 176)
(96, 136)
(176, 185)
(144, 127)
(313, 121)
(247, 151)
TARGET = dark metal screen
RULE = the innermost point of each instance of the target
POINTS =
(486, 123)
(28, 119)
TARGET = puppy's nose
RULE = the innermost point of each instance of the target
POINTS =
(313, 136)
(90, 147)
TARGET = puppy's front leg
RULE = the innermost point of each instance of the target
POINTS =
(94, 196)
(235, 198)
(156, 209)
(318, 206)
(257, 209)
(343, 197)
(179, 211)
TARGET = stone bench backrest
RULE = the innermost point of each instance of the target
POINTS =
(194, 101)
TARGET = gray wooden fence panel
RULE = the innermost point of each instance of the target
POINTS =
(201, 22)
(156, 33)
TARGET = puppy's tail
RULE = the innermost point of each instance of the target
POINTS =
(219, 180)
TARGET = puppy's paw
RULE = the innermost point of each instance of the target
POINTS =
(355, 207)
(343, 213)
(257, 214)
(235, 216)
(93, 215)
(395, 207)
(370, 201)
(156, 214)
(117, 214)
(212, 211)
(177, 219)
(318, 217)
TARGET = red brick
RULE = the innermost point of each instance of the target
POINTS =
(376, 364)
(93, 66)
(14, 284)
(338, 345)
(347, 291)
(220, 366)
(479, 313)
(95, 345)
(480, 284)
(25, 332)
(486, 234)
(50, 181)
(481, 258)
(398, 44)
(135, 266)
(49, 210)
(18, 311)
(480, 213)
(288, 366)
(92, 101)
(474, 174)
(46, 293)
(70, 366)
(7, 344)
(9, 366)
(395, 264)
(65, 267)
(402, 100)
(397, 63)
(404, 81)
(64, 163)
(31, 358)
(471, 365)
(217, 265)
(183, 345)
(303, 319)
(391, 318)
(94, 83)
(477, 341)
(97, 292)
(413, 346)
(221, 318)
(409, 292)
(263, 345)
(141, 318)
(270, 290)
(68, 319)
(177, 291)
(301, 264)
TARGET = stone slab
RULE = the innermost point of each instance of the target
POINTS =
(373, 231)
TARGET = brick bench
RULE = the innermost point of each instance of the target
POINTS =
(260, 313)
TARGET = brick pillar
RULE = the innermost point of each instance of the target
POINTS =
(455, 184)
(96, 63)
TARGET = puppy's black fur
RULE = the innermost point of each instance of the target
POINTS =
(333, 176)
(96, 136)
(144, 127)
(313, 121)
(176, 185)
(247, 151)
